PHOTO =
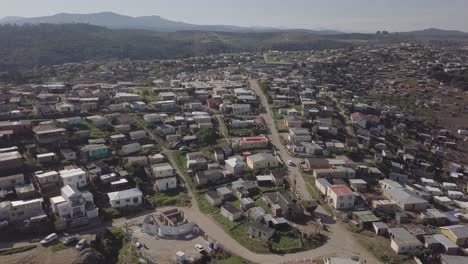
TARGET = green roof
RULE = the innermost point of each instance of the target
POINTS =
(366, 216)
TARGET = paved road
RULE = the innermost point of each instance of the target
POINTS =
(341, 240)
(294, 172)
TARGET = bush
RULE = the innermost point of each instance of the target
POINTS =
(12, 251)
(111, 243)
(207, 136)
(111, 213)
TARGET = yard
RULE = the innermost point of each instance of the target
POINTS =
(281, 243)
(298, 107)
(230, 260)
(176, 197)
(380, 247)
(95, 131)
(146, 93)
(12, 251)
(280, 125)
(205, 207)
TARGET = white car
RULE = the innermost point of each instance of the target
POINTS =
(48, 239)
(81, 244)
(291, 163)
(199, 248)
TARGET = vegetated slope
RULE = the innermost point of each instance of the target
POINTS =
(48, 44)
(156, 23)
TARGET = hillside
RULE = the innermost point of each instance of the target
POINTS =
(154, 23)
(435, 33)
(48, 44)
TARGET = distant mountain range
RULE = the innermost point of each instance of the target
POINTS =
(154, 23)
(436, 33)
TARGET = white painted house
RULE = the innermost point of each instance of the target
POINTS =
(73, 177)
(130, 148)
(165, 184)
(73, 204)
(47, 177)
(162, 170)
(125, 198)
(402, 241)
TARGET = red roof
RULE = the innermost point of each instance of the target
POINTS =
(251, 139)
(372, 118)
(341, 189)
(302, 262)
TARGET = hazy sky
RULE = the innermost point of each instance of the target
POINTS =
(347, 15)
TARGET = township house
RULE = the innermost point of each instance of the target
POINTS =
(406, 199)
(262, 161)
(165, 177)
(49, 134)
(73, 177)
(73, 206)
(125, 198)
(282, 205)
(341, 197)
(208, 176)
(261, 232)
(19, 211)
(231, 212)
(457, 234)
(214, 198)
(363, 120)
(246, 143)
(403, 241)
(235, 165)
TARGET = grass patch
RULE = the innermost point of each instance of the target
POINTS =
(281, 243)
(231, 260)
(207, 152)
(298, 107)
(205, 207)
(261, 204)
(146, 126)
(172, 198)
(181, 161)
(116, 247)
(277, 115)
(280, 125)
(380, 247)
(95, 131)
(203, 204)
(12, 251)
(222, 126)
(238, 231)
(114, 213)
(146, 93)
(315, 193)
(127, 254)
(57, 247)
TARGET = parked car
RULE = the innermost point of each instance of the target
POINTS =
(184, 149)
(81, 244)
(3, 223)
(199, 248)
(291, 163)
(49, 239)
(69, 240)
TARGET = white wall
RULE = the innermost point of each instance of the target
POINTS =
(166, 184)
(125, 202)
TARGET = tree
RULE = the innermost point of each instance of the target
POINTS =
(145, 93)
(207, 136)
